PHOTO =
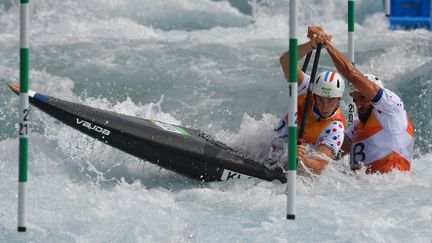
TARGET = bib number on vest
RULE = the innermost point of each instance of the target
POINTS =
(358, 156)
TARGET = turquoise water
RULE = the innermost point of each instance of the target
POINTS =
(211, 65)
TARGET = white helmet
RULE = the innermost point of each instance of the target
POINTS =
(372, 78)
(329, 84)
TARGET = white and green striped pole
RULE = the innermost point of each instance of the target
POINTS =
(292, 111)
(351, 30)
(351, 56)
(23, 113)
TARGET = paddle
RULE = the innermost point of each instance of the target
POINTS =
(309, 90)
(306, 62)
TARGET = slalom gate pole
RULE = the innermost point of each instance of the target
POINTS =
(309, 90)
(387, 8)
(351, 58)
(23, 114)
(292, 111)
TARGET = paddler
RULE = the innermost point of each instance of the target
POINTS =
(324, 125)
(382, 138)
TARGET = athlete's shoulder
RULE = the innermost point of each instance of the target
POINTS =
(388, 100)
(332, 136)
(390, 112)
(334, 127)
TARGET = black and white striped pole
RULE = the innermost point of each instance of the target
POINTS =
(23, 114)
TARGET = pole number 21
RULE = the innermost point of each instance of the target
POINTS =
(23, 125)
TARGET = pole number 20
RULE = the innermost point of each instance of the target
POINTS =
(351, 113)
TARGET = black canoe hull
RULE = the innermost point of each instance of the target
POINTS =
(186, 151)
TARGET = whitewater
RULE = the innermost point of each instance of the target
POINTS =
(213, 66)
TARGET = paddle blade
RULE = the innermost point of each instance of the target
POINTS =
(14, 87)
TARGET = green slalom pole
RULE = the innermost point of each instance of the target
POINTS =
(23, 114)
(351, 58)
(292, 111)
(351, 30)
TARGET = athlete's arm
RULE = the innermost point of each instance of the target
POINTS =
(349, 134)
(345, 67)
(303, 49)
(317, 164)
(329, 144)
(346, 146)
